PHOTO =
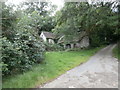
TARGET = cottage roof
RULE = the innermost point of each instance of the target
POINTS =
(49, 35)
(63, 39)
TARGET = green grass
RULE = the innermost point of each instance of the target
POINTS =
(55, 64)
(116, 52)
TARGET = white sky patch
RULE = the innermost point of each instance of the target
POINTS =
(16, 2)
(59, 3)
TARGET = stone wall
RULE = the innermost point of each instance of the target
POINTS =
(84, 42)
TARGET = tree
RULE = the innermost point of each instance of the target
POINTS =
(21, 45)
(8, 21)
(77, 17)
(39, 15)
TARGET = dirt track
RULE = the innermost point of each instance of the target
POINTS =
(101, 71)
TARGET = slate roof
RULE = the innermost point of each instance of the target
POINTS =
(49, 35)
(63, 39)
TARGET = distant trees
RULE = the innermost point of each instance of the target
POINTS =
(38, 15)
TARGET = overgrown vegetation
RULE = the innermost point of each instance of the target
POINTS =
(22, 54)
(21, 44)
(55, 64)
(99, 20)
(22, 47)
(53, 47)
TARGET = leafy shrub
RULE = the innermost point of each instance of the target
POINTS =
(53, 47)
(20, 55)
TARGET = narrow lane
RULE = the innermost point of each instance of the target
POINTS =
(101, 71)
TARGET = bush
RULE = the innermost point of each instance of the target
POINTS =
(53, 47)
(20, 55)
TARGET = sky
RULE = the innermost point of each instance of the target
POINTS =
(59, 3)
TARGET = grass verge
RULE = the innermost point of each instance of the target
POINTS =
(116, 52)
(55, 64)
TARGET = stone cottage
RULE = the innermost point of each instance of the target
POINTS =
(80, 42)
(48, 37)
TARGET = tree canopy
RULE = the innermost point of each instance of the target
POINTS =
(98, 20)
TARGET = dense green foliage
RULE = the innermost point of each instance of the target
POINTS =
(98, 20)
(53, 47)
(37, 16)
(21, 45)
(55, 64)
(22, 54)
